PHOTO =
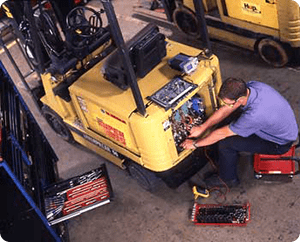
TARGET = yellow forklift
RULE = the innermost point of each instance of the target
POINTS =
(270, 27)
(133, 103)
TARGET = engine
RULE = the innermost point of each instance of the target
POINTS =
(190, 114)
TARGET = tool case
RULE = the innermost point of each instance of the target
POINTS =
(220, 215)
(77, 195)
(35, 203)
(285, 164)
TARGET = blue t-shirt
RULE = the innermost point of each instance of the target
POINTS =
(266, 114)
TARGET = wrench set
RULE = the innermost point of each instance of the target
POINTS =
(211, 214)
(85, 195)
(76, 195)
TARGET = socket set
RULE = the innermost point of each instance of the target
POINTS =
(77, 195)
(211, 214)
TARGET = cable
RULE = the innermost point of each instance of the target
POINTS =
(210, 160)
(217, 191)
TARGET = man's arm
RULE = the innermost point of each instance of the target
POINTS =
(215, 118)
(212, 138)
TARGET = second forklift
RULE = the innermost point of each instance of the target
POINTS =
(270, 27)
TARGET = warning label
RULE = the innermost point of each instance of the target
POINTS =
(112, 132)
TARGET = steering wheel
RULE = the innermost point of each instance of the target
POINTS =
(84, 21)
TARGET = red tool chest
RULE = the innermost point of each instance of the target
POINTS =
(275, 164)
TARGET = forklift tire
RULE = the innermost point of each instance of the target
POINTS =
(145, 178)
(273, 52)
(186, 21)
(57, 124)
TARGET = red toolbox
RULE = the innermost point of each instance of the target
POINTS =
(276, 164)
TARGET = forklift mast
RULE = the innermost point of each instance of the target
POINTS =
(123, 52)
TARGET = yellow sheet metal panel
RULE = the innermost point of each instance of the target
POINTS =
(205, 95)
(250, 26)
(104, 147)
(156, 145)
(105, 150)
(231, 38)
(104, 118)
(261, 12)
(109, 123)
(189, 4)
(110, 113)
(64, 109)
(104, 108)
(207, 4)
(289, 22)
(93, 86)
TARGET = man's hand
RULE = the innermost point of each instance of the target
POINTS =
(196, 131)
(188, 144)
(212, 138)
(214, 119)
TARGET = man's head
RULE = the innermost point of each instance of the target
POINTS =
(231, 90)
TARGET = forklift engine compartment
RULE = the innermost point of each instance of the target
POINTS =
(190, 114)
(138, 128)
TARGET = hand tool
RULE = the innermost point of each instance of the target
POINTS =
(200, 192)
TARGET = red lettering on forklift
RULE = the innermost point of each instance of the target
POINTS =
(112, 132)
(113, 116)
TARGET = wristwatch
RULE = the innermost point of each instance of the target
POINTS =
(195, 144)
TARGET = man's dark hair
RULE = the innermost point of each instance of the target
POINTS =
(233, 88)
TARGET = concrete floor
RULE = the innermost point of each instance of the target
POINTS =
(136, 215)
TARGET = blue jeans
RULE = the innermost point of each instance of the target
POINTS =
(230, 147)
